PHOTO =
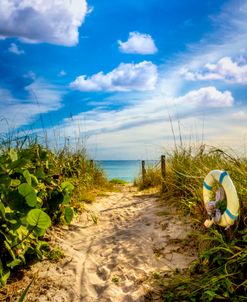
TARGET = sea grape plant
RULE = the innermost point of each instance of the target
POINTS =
(33, 195)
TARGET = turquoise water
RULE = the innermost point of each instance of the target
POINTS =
(126, 170)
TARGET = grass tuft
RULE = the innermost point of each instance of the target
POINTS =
(220, 272)
(118, 181)
(152, 178)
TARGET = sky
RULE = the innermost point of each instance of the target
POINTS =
(127, 78)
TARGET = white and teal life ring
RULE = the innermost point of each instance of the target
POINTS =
(232, 211)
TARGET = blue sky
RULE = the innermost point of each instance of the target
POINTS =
(113, 73)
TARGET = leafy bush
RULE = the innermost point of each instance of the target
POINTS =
(36, 187)
(31, 198)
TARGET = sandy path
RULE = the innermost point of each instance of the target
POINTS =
(113, 259)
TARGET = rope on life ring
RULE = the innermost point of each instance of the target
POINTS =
(231, 213)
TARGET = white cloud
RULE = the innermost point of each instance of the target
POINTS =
(42, 98)
(210, 112)
(138, 43)
(145, 122)
(62, 73)
(34, 21)
(126, 77)
(207, 97)
(240, 115)
(45, 95)
(15, 49)
(90, 9)
(126, 133)
(30, 75)
(225, 69)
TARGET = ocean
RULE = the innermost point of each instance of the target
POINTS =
(126, 170)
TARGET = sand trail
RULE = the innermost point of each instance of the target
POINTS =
(113, 259)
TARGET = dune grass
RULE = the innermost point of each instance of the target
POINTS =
(61, 182)
(152, 178)
(220, 272)
(118, 181)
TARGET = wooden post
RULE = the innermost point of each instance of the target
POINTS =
(163, 171)
(91, 163)
(143, 171)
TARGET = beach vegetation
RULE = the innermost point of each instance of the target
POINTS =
(39, 188)
(118, 181)
(220, 271)
(151, 179)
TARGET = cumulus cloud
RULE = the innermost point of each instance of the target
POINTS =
(225, 69)
(138, 43)
(34, 21)
(146, 113)
(15, 49)
(126, 77)
(140, 124)
(207, 97)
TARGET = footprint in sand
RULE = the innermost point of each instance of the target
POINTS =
(112, 260)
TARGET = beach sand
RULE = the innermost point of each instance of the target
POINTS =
(112, 250)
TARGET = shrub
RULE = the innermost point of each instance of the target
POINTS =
(36, 186)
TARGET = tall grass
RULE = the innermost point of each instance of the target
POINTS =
(151, 179)
(87, 177)
(220, 272)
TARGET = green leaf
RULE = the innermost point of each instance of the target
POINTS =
(38, 218)
(47, 164)
(16, 202)
(27, 176)
(15, 183)
(5, 180)
(19, 164)
(34, 179)
(31, 199)
(25, 189)
(9, 249)
(24, 294)
(39, 232)
(2, 210)
(4, 278)
(14, 263)
(14, 225)
(40, 173)
(28, 192)
(68, 214)
(13, 155)
(66, 199)
(11, 217)
(67, 186)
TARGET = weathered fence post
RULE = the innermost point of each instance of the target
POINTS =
(91, 163)
(143, 171)
(163, 172)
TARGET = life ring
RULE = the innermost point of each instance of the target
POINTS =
(231, 213)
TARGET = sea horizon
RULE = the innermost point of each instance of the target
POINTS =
(125, 169)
